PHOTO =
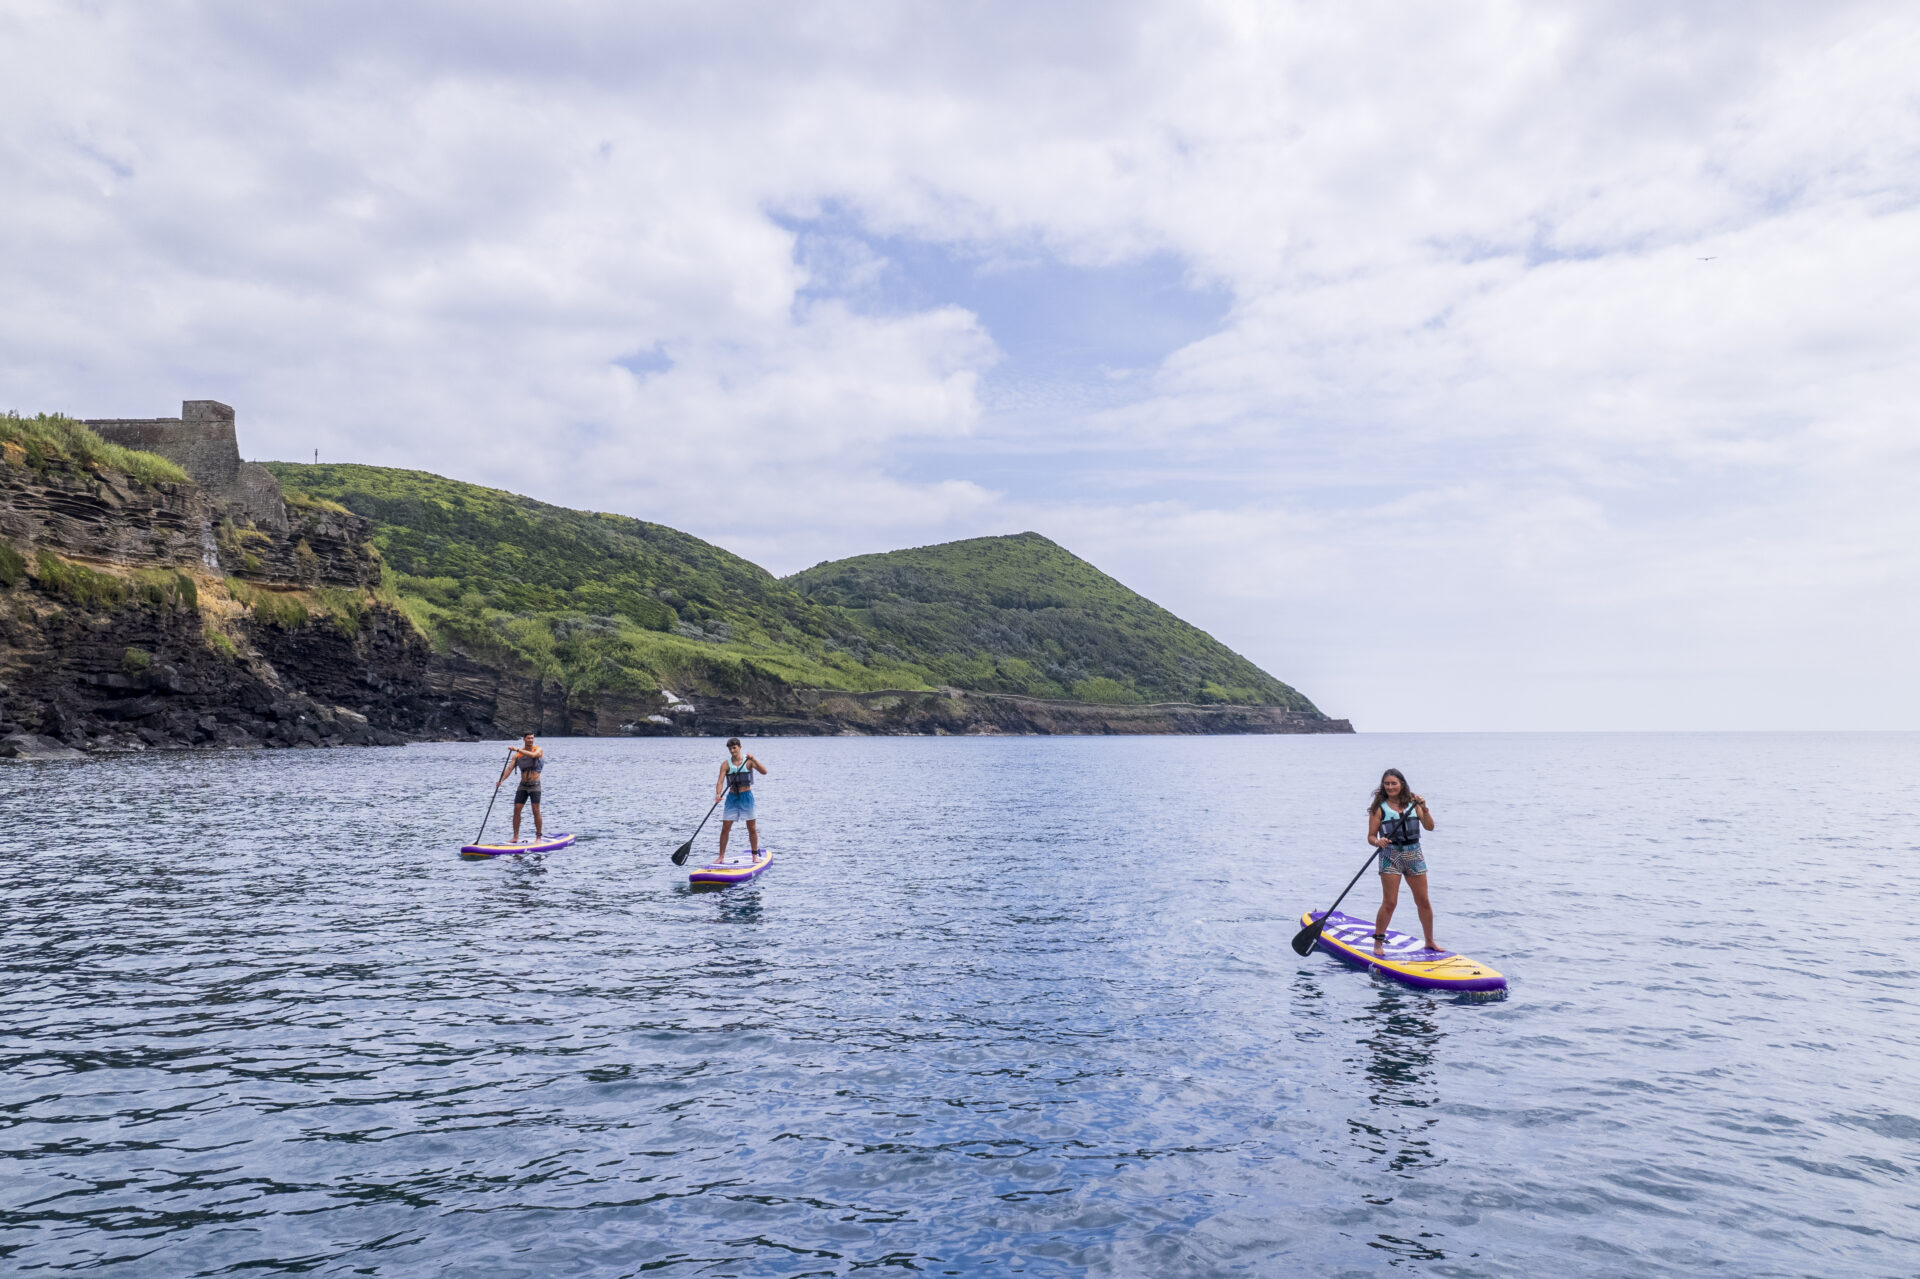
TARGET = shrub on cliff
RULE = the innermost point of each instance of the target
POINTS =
(90, 589)
(13, 568)
(285, 611)
(51, 436)
(76, 583)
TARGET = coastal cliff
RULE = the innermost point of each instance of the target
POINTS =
(156, 591)
(138, 609)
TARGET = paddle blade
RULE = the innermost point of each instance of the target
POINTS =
(680, 854)
(1304, 939)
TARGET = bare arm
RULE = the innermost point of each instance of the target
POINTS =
(1373, 829)
(758, 766)
(720, 784)
(1426, 818)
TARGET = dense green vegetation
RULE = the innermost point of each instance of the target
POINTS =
(51, 436)
(608, 602)
(594, 600)
(1022, 615)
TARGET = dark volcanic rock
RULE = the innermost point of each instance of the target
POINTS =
(28, 746)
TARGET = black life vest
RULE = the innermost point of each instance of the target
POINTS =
(1402, 830)
(739, 780)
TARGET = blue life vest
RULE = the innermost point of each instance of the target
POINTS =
(739, 779)
(1402, 830)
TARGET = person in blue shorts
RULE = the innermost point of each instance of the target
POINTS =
(1394, 822)
(736, 783)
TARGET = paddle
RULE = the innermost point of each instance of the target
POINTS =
(680, 853)
(496, 795)
(1304, 939)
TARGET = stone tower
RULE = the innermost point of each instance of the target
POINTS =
(203, 442)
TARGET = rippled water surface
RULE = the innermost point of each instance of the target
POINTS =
(1018, 1006)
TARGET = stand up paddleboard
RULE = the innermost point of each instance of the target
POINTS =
(731, 872)
(546, 845)
(1406, 959)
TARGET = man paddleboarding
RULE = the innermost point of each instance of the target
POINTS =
(529, 759)
(736, 783)
(1394, 821)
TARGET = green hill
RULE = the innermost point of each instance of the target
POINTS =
(1023, 615)
(604, 601)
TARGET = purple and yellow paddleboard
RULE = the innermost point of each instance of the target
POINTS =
(731, 872)
(546, 845)
(1406, 959)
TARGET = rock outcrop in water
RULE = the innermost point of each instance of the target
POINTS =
(140, 611)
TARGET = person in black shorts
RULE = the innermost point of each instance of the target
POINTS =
(529, 759)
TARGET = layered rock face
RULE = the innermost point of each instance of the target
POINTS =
(123, 624)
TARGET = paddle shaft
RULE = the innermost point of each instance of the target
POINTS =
(496, 795)
(1351, 882)
(1303, 941)
(680, 853)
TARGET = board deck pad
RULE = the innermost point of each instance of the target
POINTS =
(731, 872)
(546, 845)
(1407, 959)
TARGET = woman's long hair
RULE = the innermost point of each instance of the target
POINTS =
(1380, 791)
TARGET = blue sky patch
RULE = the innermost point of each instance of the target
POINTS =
(1058, 325)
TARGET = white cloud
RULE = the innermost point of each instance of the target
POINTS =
(1470, 339)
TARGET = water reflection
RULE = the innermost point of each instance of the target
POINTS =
(1401, 1034)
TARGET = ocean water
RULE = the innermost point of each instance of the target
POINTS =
(1002, 1006)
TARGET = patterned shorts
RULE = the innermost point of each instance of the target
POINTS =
(1402, 859)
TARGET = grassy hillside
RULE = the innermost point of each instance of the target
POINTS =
(1022, 615)
(594, 600)
(606, 601)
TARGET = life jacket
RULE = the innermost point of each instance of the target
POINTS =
(1402, 830)
(739, 780)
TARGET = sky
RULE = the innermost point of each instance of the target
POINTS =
(1479, 366)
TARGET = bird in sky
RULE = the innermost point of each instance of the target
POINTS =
(1706, 259)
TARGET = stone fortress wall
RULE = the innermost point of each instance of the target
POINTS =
(202, 441)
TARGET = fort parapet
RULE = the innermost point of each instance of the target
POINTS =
(203, 442)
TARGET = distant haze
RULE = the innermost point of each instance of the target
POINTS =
(1465, 366)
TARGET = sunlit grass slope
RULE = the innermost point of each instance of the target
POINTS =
(1023, 615)
(608, 602)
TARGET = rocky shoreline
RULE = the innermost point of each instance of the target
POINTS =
(217, 614)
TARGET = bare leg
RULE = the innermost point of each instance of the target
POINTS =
(516, 823)
(1418, 883)
(753, 836)
(1389, 898)
(726, 829)
(539, 831)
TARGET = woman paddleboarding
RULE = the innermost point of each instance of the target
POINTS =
(1394, 821)
(529, 759)
(736, 783)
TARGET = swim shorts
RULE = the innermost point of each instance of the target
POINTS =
(739, 808)
(526, 793)
(1402, 859)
